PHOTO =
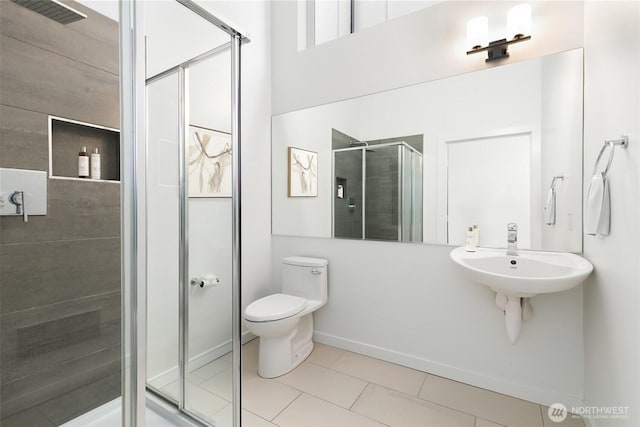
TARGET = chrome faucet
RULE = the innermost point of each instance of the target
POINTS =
(512, 239)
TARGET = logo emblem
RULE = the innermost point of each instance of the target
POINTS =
(557, 412)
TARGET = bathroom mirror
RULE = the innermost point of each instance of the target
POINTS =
(422, 163)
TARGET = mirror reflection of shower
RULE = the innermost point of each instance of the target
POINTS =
(377, 188)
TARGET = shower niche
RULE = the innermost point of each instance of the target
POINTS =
(377, 188)
(66, 139)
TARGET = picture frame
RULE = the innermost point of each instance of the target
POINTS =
(302, 173)
(209, 162)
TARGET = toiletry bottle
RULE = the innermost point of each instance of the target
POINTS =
(476, 235)
(95, 164)
(83, 163)
(469, 245)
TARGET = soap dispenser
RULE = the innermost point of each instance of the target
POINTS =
(476, 236)
(470, 244)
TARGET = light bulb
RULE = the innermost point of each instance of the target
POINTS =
(519, 22)
(478, 32)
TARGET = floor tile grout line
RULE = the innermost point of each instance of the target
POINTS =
(285, 408)
(360, 395)
(302, 392)
(320, 366)
(381, 385)
(339, 407)
(424, 382)
(375, 360)
(343, 352)
(262, 418)
(440, 405)
(461, 411)
(419, 371)
(318, 397)
(363, 415)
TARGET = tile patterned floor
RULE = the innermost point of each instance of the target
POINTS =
(336, 388)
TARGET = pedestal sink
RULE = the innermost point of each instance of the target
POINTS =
(516, 278)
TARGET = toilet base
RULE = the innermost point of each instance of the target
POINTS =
(280, 355)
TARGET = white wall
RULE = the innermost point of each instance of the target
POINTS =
(210, 220)
(108, 8)
(174, 34)
(254, 18)
(612, 306)
(407, 302)
(422, 46)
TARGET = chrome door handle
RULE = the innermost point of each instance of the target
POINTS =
(316, 271)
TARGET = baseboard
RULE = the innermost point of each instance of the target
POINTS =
(170, 375)
(522, 391)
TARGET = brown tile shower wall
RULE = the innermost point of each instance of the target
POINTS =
(59, 273)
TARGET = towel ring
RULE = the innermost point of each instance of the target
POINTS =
(623, 142)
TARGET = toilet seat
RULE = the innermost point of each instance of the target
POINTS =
(274, 307)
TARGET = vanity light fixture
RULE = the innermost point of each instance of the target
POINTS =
(518, 30)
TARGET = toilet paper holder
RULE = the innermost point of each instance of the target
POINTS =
(205, 281)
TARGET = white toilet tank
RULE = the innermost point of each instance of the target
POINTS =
(305, 277)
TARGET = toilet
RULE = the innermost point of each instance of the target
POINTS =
(284, 321)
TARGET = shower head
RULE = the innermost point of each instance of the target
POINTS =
(53, 9)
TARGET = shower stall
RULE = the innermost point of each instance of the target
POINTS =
(120, 293)
(377, 191)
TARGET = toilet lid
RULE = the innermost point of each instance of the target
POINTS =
(274, 307)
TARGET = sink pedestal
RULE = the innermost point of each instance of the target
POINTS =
(516, 309)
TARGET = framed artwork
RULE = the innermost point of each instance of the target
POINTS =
(209, 161)
(303, 173)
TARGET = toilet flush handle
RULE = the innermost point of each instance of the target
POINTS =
(316, 271)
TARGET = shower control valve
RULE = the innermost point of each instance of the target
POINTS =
(17, 198)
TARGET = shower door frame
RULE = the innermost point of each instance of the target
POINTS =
(133, 213)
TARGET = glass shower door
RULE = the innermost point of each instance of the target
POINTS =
(190, 263)
(208, 356)
(348, 199)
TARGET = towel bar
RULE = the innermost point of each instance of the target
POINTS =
(622, 142)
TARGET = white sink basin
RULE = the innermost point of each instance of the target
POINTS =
(525, 275)
(516, 278)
